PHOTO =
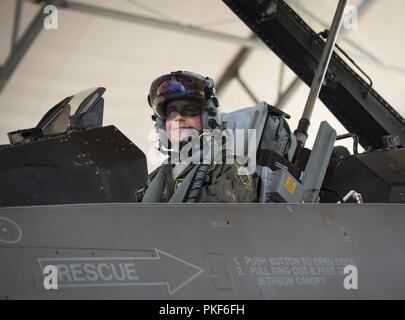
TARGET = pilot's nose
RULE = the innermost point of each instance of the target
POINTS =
(178, 117)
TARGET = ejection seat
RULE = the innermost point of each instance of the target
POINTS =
(275, 145)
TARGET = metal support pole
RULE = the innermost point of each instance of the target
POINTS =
(302, 130)
(233, 67)
(22, 46)
(280, 81)
(247, 89)
(286, 95)
(16, 24)
(363, 7)
(161, 24)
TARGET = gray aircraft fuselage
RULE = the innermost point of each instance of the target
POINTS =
(135, 251)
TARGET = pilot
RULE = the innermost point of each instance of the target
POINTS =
(185, 107)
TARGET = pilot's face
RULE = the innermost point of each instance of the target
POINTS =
(182, 117)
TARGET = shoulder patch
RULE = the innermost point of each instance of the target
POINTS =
(244, 175)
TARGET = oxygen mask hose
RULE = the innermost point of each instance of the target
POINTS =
(196, 185)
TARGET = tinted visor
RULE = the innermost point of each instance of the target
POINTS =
(190, 109)
(171, 87)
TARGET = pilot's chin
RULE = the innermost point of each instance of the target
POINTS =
(181, 136)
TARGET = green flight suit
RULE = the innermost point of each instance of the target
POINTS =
(223, 185)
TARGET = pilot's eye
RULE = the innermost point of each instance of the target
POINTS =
(170, 110)
(191, 110)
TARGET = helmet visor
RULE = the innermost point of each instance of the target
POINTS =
(190, 109)
(169, 88)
